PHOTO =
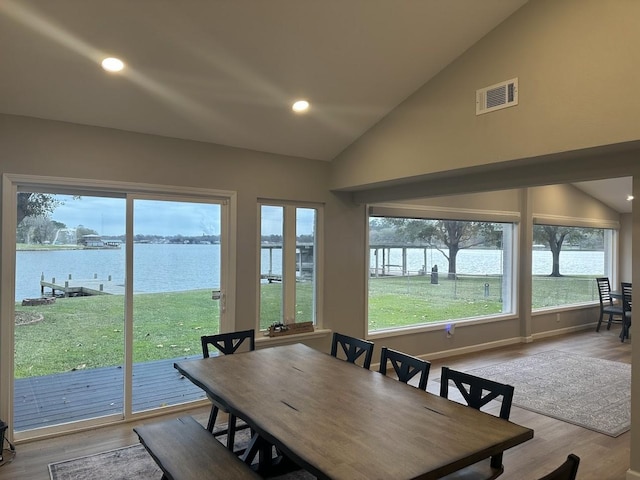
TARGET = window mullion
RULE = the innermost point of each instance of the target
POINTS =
(289, 265)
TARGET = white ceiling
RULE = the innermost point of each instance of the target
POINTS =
(227, 71)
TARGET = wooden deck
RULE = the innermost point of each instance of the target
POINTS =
(83, 394)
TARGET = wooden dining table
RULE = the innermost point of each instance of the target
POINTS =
(340, 421)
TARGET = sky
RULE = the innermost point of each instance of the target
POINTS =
(106, 216)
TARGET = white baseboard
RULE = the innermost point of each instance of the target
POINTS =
(560, 331)
(631, 475)
(471, 348)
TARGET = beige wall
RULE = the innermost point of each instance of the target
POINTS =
(39, 147)
(626, 241)
(569, 56)
(569, 201)
(45, 148)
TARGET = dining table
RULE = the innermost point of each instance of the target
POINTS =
(340, 421)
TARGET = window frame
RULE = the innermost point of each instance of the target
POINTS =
(511, 267)
(13, 183)
(610, 263)
(289, 247)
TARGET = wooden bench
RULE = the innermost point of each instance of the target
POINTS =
(185, 450)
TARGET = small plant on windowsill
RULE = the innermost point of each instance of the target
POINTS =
(277, 329)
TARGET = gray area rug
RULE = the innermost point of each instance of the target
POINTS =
(133, 462)
(588, 392)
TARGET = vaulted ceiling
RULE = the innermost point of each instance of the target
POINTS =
(227, 71)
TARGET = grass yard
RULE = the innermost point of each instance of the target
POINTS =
(88, 332)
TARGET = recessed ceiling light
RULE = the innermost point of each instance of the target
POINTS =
(300, 106)
(112, 64)
(629, 198)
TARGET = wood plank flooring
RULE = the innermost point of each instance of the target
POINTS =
(602, 457)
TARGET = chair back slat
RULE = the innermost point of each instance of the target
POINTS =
(604, 291)
(227, 343)
(473, 390)
(627, 290)
(405, 366)
(352, 348)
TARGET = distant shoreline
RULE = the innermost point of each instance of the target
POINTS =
(22, 247)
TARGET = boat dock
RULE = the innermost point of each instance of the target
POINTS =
(79, 288)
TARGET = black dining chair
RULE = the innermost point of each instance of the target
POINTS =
(567, 471)
(226, 344)
(405, 366)
(627, 304)
(607, 307)
(478, 392)
(352, 349)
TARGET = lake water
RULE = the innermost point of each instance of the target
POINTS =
(176, 267)
(489, 262)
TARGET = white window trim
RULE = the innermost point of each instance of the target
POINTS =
(611, 269)
(561, 221)
(10, 183)
(289, 234)
(443, 213)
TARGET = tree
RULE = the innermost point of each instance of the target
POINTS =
(447, 236)
(81, 231)
(35, 205)
(555, 236)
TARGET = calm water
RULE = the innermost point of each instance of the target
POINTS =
(157, 267)
(489, 262)
(173, 267)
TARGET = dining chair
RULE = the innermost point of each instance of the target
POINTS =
(478, 392)
(226, 344)
(405, 366)
(352, 348)
(567, 471)
(626, 309)
(607, 307)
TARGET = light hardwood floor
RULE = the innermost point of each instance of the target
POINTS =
(602, 457)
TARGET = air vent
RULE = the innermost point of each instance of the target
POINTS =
(495, 97)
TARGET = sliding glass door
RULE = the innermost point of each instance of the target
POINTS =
(176, 271)
(110, 289)
(70, 308)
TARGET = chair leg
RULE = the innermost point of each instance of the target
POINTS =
(625, 330)
(599, 321)
(212, 418)
(231, 431)
(610, 321)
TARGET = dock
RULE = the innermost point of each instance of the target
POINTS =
(271, 277)
(81, 288)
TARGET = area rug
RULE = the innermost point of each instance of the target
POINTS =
(588, 392)
(121, 464)
(133, 462)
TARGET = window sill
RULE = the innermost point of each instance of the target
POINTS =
(264, 340)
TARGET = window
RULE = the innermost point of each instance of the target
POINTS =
(565, 262)
(425, 270)
(120, 279)
(289, 249)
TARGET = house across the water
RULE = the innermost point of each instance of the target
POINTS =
(96, 241)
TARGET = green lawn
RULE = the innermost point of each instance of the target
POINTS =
(87, 332)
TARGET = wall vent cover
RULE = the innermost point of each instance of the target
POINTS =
(498, 96)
